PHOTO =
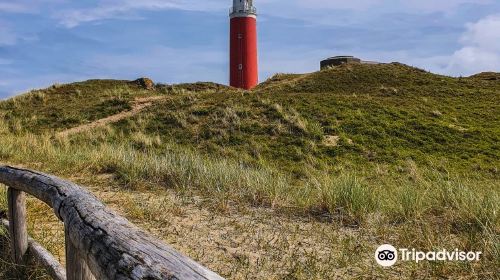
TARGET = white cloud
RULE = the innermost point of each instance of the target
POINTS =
(439, 6)
(350, 12)
(313, 11)
(26, 6)
(112, 9)
(481, 48)
(471, 60)
(484, 34)
(337, 4)
(479, 52)
(422, 5)
(9, 7)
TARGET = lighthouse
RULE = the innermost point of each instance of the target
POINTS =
(243, 62)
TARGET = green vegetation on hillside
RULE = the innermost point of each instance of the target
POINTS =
(351, 144)
(64, 106)
(373, 114)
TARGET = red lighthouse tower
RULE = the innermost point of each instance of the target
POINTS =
(243, 45)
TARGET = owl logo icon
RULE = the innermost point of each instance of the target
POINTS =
(386, 255)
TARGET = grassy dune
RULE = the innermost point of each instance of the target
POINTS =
(386, 153)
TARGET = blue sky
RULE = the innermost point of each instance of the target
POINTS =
(57, 41)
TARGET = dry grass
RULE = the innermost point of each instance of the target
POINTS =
(213, 214)
(300, 179)
(39, 226)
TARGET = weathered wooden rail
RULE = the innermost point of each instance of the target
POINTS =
(99, 243)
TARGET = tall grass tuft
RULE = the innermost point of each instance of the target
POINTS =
(472, 209)
(407, 202)
(348, 196)
(144, 160)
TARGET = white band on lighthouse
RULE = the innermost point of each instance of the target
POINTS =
(243, 8)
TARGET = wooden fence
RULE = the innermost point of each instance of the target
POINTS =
(99, 243)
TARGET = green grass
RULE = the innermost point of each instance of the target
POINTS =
(382, 114)
(443, 122)
(467, 209)
(65, 106)
(413, 153)
(135, 163)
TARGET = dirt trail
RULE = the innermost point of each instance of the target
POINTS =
(253, 244)
(138, 105)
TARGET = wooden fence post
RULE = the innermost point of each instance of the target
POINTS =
(18, 230)
(76, 267)
(86, 218)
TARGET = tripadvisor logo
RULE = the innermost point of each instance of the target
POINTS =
(387, 255)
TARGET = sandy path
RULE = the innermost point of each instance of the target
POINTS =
(138, 105)
(254, 244)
